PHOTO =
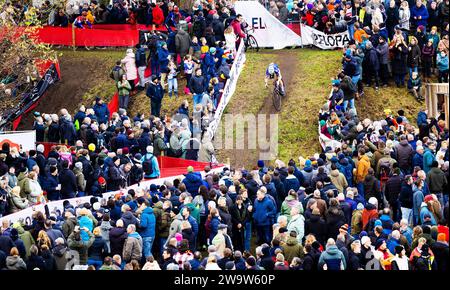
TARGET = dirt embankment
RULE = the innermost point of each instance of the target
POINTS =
(78, 76)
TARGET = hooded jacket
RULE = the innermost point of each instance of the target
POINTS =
(182, 42)
(15, 263)
(338, 179)
(362, 168)
(428, 158)
(130, 66)
(193, 181)
(132, 249)
(297, 224)
(405, 154)
(346, 168)
(292, 248)
(421, 12)
(147, 224)
(128, 218)
(369, 213)
(117, 237)
(436, 180)
(59, 254)
(288, 204)
(333, 258)
(264, 212)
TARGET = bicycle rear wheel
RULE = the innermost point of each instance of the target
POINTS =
(253, 44)
(276, 98)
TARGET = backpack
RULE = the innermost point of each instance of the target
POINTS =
(116, 73)
(147, 166)
(385, 170)
(200, 204)
(352, 86)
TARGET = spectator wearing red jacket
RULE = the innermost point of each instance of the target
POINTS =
(158, 15)
(236, 24)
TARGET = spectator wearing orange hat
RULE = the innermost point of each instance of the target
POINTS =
(440, 250)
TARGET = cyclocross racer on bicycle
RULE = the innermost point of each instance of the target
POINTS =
(273, 72)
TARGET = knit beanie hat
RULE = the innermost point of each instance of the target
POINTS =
(260, 163)
(399, 249)
(378, 223)
(308, 163)
(379, 243)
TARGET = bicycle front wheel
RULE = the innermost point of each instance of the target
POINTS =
(253, 44)
(276, 99)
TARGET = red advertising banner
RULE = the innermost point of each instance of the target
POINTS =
(295, 27)
(99, 35)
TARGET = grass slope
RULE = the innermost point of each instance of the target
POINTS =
(299, 114)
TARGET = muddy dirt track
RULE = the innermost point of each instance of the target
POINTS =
(288, 62)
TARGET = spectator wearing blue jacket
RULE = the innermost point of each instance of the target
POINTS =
(442, 66)
(264, 213)
(346, 168)
(419, 14)
(84, 221)
(31, 161)
(425, 214)
(209, 64)
(297, 172)
(50, 184)
(422, 118)
(393, 241)
(67, 129)
(214, 224)
(192, 181)
(121, 139)
(101, 111)
(291, 182)
(163, 60)
(147, 226)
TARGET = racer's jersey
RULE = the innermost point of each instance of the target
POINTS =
(276, 71)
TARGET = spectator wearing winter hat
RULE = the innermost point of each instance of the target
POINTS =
(441, 253)
(400, 260)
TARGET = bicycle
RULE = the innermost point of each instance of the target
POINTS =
(250, 41)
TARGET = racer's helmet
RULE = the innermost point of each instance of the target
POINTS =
(271, 69)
